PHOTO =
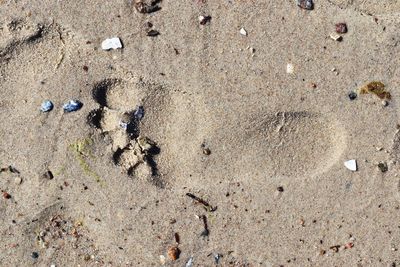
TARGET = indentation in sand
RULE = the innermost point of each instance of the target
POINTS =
(118, 100)
(290, 144)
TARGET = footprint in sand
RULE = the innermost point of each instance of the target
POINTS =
(122, 106)
(30, 57)
(285, 144)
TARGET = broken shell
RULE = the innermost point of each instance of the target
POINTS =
(111, 43)
(289, 68)
(243, 32)
(351, 165)
(336, 37)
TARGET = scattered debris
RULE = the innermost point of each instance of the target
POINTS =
(189, 263)
(349, 245)
(46, 106)
(351, 165)
(18, 180)
(177, 238)
(217, 257)
(72, 105)
(383, 167)
(162, 259)
(206, 151)
(377, 88)
(139, 113)
(243, 32)
(289, 68)
(336, 37)
(341, 27)
(335, 248)
(280, 189)
(204, 19)
(6, 195)
(144, 8)
(173, 253)
(206, 205)
(35, 255)
(352, 95)
(153, 33)
(111, 43)
(125, 120)
(9, 169)
(48, 175)
(205, 232)
(306, 4)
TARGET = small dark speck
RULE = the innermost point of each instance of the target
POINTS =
(35, 255)
(280, 188)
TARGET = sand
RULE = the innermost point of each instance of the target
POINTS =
(263, 149)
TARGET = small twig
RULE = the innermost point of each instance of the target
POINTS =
(203, 202)
(205, 232)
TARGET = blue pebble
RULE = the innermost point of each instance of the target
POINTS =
(72, 105)
(47, 106)
(139, 113)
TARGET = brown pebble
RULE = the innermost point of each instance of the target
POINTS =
(173, 253)
(206, 151)
(341, 27)
(6, 195)
(85, 68)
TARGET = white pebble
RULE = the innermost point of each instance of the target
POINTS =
(289, 68)
(243, 32)
(112, 43)
(351, 165)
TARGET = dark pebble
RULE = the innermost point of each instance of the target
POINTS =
(35, 255)
(280, 188)
(352, 95)
(153, 33)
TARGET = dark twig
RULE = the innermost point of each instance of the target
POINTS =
(203, 202)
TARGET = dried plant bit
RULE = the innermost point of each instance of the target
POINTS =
(305, 4)
(201, 201)
(377, 88)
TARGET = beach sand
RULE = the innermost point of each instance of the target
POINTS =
(235, 161)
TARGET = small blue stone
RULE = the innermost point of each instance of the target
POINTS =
(47, 106)
(139, 113)
(72, 105)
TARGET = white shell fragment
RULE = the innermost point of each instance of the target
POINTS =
(289, 68)
(112, 43)
(351, 165)
(336, 37)
(243, 32)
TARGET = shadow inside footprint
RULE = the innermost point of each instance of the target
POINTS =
(117, 118)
